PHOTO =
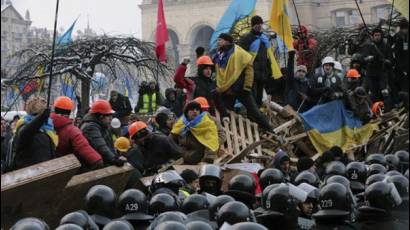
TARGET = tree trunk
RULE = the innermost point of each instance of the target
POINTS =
(85, 95)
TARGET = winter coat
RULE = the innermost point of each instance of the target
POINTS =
(175, 106)
(279, 158)
(121, 106)
(204, 86)
(158, 149)
(152, 105)
(378, 65)
(325, 88)
(99, 136)
(72, 140)
(31, 145)
(184, 83)
(261, 64)
(401, 53)
(361, 111)
(377, 220)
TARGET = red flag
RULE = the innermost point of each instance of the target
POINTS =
(162, 34)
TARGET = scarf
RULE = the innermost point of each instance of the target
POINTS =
(47, 127)
(202, 128)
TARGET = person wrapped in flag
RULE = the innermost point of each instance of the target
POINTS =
(264, 64)
(196, 132)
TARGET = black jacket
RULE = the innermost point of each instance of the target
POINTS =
(121, 106)
(158, 149)
(99, 136)
(175, 106)
(31, 145)
(261, 65)
(401, 53)
(325, 88)
(377, 220)
(381, 52)
(204, 86)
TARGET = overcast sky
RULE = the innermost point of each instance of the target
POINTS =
(105, 16)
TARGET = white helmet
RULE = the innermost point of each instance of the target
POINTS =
(328, 60)
(338, 66)
(115, 123)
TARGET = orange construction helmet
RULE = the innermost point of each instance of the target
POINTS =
(204, 60)
(353, 74)
(101, 107)
(203, 102)
(136, 127)
(377, 108)
(64, 103)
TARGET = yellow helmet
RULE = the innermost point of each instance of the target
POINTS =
(122, 144)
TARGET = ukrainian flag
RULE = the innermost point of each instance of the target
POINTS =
(332, 124)
(254, 49)
(67, 87)
(280, 22)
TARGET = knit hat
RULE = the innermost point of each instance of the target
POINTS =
(191, 106)
(304, 163)
(226, 37)
(301, 68)
(256, 20)
(189, 175)
(35, 105)
(161, 119)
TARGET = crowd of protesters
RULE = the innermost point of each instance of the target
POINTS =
(183, 124)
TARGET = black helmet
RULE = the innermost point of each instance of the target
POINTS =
(162, 202)
(376, 158)
(194, 203)
(392, 162)
(402, 185)
(242, 183)
(30, 224)
(407, 174)
(168, 216)
(118, 225)
(308, 178)
(376, 169)
(217, 204)
(380, 195)
(169, 179)
(198, 225)
(242, 188)
(265, 194)
(339, 179)
(334, 201)
(356, 172)
(279, 200)
(233, 212)
(100, 200)
(70, 227)
(133, 204)
(393, 173)
(80, 218)
(170, 225)
(210, 179)
(248, 226)
(336, 168)
(375, 178)
(404, 159)
(271, 176)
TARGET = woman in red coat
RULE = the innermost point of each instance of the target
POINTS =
(71, 138)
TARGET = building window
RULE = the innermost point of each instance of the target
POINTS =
(381, 13)
(347, 17)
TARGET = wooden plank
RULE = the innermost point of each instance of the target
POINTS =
(228, 137)
(235, 134)
(242, 132)
(257, 138)
(34, 191)
(285, 126)
(295, 137)
(73, 196)
(238, 157)
(249, 131)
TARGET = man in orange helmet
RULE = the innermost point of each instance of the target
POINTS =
(95, 127)
(359, 102)
(71, 139)
(352, 80)
(151, 150)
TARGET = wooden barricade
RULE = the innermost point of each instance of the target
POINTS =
(34, 191)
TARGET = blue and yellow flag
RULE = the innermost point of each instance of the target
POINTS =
(237, 11)
(280, 22)
(202, 127)
(254, 49)
(332, 124)
(67, 87)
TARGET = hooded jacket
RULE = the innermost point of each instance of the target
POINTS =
(99, 136)
(280, 157)
(176, 105)
(121, 106)
(72, 140)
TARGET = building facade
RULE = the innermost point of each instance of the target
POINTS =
(192, 22)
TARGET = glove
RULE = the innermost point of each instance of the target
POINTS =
(117, 162)
(98, 165)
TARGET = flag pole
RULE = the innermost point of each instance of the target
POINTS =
(52, 55)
